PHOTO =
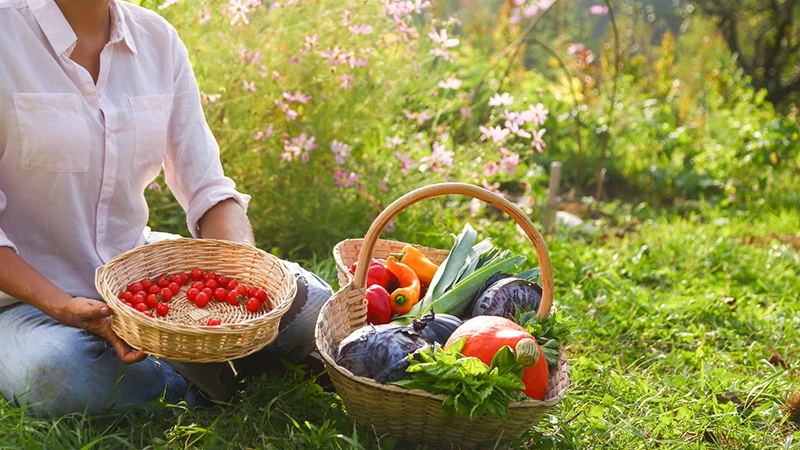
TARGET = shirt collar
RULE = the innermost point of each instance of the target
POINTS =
(59, 33)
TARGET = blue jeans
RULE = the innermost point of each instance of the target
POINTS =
(55, 369)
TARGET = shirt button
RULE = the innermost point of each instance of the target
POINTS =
(88, 89)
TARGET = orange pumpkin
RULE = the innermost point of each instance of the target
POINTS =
(485, 335)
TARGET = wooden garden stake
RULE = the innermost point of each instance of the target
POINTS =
(550, 208)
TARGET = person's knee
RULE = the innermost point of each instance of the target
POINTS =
(59, 381)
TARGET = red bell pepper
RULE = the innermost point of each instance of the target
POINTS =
(379, 311)
(378, 274)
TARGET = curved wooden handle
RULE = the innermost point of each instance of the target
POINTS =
(441, 189)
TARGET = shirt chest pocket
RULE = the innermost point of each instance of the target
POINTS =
(53, 131)
(151, 119)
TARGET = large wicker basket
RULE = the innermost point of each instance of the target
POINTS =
(414, 415)
(182, 335)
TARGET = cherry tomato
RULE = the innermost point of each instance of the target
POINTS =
(185, 278)
(154, 290)
(138, 298)
(213, 322)
(126, 296)
(220, 294)
(232, 285)
(197, 274)
(191, 294)
(162, 282)
(201, 300)
(136, 287)
(175, 278)
(261, 295)
(233, 298)
(127, 304)
(208, 292)
(241, 289)
(148, 314)
(162, 309)
(212, 283)
(253, 304)
(252, 291)
(223, 281)
(210, 276)
(174, 287)
(151, 301)
(198, 285)
(141, 307)
(166, 295)
(146, 284)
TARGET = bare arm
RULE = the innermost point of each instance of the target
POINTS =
(228, 221)
(19, 280)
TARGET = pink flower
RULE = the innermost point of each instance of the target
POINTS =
(444, 54)
(439, 159)
(537, 142)
(344, 179)
(496, 134)
(309, 44)
(574, 48)
(598, 10)
(514, 18)
(238, 10)
(509, 162)
(154, 186)
(440, 38)
(294, 59)
(420, 118)
(513, 128)
(519, 2)
(474, 206)
(490, 169)
(407, 32)
(405, 162)
(249, 86)
(335, 56)
(275, 75)
(383, 187)
(466, 111)
(346, 16)
(450, 83)
(537, 114)
(513, 117)
(393, 141)
(340, 150)
(347, 81)
(360, 30)
(209, 98)
(298, 97)
(501, 99)
(530, 11)
(291, 115)
(416, 6)
(206, 17)
(262, 135)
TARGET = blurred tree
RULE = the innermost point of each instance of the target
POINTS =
(765, 36)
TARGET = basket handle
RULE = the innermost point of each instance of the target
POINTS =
(441, 189)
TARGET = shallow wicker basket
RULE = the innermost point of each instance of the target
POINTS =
(414, 415)
(182, 335)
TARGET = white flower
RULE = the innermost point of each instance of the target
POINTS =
(501, 100)
(441, 39)
(341, 150)
(450, 83)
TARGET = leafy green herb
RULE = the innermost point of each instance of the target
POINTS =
(469, 386)
(550, 333)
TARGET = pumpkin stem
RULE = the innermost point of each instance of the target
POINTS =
(527, 352)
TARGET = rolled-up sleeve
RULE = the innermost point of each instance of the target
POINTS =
(4, 240)
(192, 166)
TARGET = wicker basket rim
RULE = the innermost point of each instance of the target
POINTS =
(193, 330)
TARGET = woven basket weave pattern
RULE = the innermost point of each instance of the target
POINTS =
(182, 334)
(414, 415)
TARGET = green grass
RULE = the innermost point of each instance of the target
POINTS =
(678, 318)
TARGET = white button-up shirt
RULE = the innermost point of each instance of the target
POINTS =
(76, 157)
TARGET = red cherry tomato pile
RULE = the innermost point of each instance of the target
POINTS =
(153, 296)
